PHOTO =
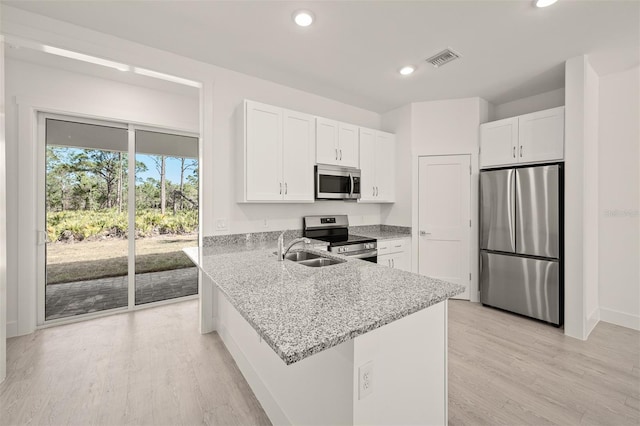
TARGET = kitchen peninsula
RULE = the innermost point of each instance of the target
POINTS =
(350, 343)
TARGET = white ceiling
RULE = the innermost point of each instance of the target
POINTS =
(352, 52)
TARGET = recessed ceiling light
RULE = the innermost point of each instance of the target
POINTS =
(303, 18)
(545, 3)
(407, 70)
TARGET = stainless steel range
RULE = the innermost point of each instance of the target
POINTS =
(335, 231)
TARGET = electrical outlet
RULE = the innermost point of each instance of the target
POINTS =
(365, 380)
(221, 224)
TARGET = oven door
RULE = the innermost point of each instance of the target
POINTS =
(337, 183)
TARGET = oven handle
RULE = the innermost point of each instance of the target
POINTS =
(362, 255)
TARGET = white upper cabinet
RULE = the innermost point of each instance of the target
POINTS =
(298, 154)
(276, 155)
(348, 154)
(530, 138)
(326, 141)
(336, 143)
(263, 153)
(385, 167)
(367, 165)
(498, 141)
(377, 164)
(541, 136)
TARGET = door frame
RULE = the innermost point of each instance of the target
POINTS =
(474, 294)
(40, 263)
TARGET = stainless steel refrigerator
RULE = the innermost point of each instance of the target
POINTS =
(521, 241)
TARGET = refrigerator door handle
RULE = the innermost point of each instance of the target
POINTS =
(512, 207)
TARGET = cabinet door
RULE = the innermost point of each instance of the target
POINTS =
(263, 152)
(348, 145)
(385, 167)
(326, 141)
(498, 141)
(385, 260)
(541, 136)
(403, 261)
(298, 154)
(367, 165)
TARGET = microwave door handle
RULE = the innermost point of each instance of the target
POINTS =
(350, 185)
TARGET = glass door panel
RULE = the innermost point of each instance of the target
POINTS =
(166, 215)
(86, 218)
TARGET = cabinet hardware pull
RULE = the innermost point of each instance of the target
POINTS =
(398, 246)
(336, 153)
(340, 155)
(520, 151)
(377, 191)
(373, 192)
(286, 188)
(393, 263)
(514, 152)
(280, 188)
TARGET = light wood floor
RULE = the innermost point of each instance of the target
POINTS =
(147, 367)
(152, 367)
(509, 370)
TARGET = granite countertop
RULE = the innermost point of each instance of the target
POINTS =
(299, 311)
(381, 232)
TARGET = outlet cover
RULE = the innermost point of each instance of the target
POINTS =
(365, 380)
(221, 224)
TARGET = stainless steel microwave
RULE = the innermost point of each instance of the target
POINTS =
(337, 183)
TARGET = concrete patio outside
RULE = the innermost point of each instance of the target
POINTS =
(81, 297)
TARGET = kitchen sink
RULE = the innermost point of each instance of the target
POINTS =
(320, 261)
(311, 259)
(299, 256)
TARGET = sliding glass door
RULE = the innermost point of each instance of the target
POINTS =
(115, 225)
(166, 215)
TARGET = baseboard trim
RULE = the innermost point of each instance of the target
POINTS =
(12, 329)
(262, 393)
(592, 320)
(622, 319)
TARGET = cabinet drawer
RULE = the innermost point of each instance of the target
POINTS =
(392, 246)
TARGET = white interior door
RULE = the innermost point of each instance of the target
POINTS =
(445, 219)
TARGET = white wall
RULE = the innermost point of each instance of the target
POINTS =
(542, 101)
(229, 92)
(619, 203)
(222, 93)
(581, 199)
(448, 127)
(62, 91)
(398, 121)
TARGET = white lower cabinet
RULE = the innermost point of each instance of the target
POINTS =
(395, 253)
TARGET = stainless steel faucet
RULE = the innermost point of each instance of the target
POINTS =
(282, 250)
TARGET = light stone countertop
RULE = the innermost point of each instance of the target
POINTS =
(381, 235)
(299, 310)
(380, 232)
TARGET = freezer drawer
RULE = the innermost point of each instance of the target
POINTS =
(522, 285)
(497, 210)
(538, 211)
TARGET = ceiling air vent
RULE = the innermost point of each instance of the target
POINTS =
(441, 58)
